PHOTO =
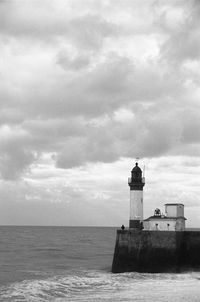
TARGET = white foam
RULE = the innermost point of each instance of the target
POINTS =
(102, 286)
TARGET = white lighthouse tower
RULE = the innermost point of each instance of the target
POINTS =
(136, 183)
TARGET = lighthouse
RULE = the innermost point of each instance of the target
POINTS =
(160, 243)
(136, 183)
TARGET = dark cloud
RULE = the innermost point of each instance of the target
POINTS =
(13, 163)
(191, 128)
(52, 23)
(77, 63)
(63, 95)
(15, 153)
(86, 87)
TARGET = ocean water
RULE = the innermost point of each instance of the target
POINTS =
(73, 264)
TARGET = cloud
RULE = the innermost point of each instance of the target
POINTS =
(15, 157)
(61, 198)
(87, 83)
(15, 162)
(183, 43)
(75, 63)
(55, 22)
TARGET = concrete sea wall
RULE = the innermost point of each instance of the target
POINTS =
(156, 251)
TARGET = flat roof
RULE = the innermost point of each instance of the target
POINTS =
(164, 218)
(173, 204)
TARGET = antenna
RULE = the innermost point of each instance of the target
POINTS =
(137, 159)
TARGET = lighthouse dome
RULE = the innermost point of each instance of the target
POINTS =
(136, 172)
(136, 168)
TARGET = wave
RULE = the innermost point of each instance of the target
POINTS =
(101, 286)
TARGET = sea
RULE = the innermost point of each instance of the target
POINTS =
(74, 264)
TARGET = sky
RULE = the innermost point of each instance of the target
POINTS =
(88, 86)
